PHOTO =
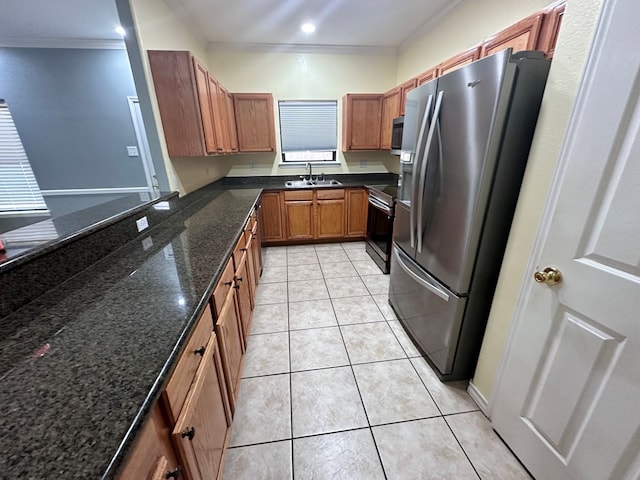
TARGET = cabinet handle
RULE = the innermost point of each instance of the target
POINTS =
(243, 249)
(239, 279)
(228, 284)
(175, 474)
(200, 351)
(237, 287)
(190, 433)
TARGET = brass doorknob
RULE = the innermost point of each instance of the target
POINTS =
(550, 276)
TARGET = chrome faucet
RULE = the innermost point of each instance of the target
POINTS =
(308, 167)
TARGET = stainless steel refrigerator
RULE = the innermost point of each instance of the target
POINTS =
(465, 144)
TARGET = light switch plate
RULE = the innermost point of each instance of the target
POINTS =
(142, 223)
(132, 151)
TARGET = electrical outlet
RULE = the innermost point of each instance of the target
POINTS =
(132, 151)
(142, 223)
(363, 163)
(254, 166)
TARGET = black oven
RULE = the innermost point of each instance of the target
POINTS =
(380, 223)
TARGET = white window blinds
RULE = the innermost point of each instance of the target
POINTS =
(308, 126)
(19, 191)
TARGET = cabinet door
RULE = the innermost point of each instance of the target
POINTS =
(201, 431)
(175, 86)
(218, 111)
(205, 95)
(232, 134)
(361, 118)
(405, 88)
(272, 213)
(251, 273)
(390, 110)
(550, 29)
(232, 346)
(223, 287)
(459, 60)
(357, 204)
(330, 218)
(257, 253)
(299, 215)
(254, 122)
(522, 35)
(427, 76)
(243, 296)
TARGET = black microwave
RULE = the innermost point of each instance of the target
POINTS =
(396, 135)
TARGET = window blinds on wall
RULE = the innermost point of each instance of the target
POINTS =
(308, 125)
(19, 190)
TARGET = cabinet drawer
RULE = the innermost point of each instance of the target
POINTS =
(181, 378)
(222, 288)
(240, 249)
(298, 195)
(330, 194)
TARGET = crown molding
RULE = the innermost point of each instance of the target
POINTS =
(300, 48)
(88, 43)
(426, 27)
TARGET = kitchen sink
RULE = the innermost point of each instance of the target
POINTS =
(311, 183)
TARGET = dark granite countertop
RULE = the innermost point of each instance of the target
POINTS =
(82, 365)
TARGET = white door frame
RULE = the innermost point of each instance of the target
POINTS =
(584, 90)
(143, 145)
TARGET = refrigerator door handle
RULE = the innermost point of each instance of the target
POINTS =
(422, 281)
(416, 168)
(423, 168)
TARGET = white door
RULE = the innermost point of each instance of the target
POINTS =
(567, 400)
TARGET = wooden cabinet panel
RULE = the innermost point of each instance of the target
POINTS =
(459, 60)
(206, 90)
(254, 122)
(361, 118)
(519, 36)
(232, 346)
(330, 219)
(151, 452)
(200, 433)
(550, 29)
(231, 135)
(251, 274)
(257, 253)
(405, 88)
(243, 296)
(175, 86)
(390, 110)
(427, 76)
(299, 219)
(272, 213)
(219, 113)
(223, 287)
(357, 204)
(330, 194)
(298, 195)
(176, 390)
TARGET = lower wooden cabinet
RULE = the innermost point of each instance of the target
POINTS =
(272, 217)
(243, 295)
(232, 346)
(357, 205)
(200, 433)
(299, 215)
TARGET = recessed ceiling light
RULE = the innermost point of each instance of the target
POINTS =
(119, 30)
(308, 27)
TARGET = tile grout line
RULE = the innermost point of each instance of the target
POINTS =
(293, 475)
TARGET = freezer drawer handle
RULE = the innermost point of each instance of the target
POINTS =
(429, 286)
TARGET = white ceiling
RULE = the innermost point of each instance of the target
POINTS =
(356, 24)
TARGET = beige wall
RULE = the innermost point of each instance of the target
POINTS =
(566, 71)
(468, 24)
(305, 76)
(159, 29)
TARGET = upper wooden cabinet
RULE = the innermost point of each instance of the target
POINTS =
(390, 110)
(459, 60)
(405, 88)
(196, 117)
(427, 76)
(361, 119)
(254, 122)
(550, 28)
(519, 36)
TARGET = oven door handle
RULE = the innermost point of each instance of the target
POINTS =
(379, 205)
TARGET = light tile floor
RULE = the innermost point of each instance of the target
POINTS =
(333, 388)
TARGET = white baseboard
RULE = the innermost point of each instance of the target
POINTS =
(478, 398)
